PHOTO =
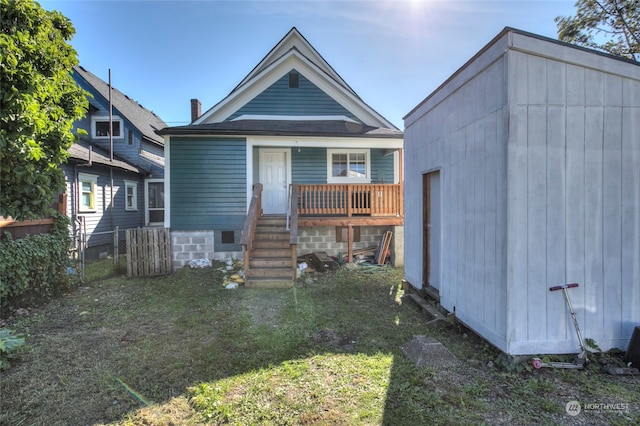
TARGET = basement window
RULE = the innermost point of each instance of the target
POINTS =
(228, 237)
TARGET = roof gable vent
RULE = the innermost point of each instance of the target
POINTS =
(294, 80)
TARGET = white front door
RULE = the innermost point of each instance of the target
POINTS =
(274, 176)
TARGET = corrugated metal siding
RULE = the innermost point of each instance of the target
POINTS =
(279, 99)
(208, 184)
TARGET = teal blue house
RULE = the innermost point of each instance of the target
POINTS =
(292, 161)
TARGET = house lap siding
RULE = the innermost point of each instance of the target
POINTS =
(100, 222)
(208, 179)
(279, 99)
(540, 172)
(310, 166)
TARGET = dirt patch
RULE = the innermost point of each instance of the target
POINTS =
(265, 307)
(334, 340)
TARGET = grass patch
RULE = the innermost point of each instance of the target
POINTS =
(327, 351)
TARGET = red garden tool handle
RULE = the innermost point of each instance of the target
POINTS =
(560, 287)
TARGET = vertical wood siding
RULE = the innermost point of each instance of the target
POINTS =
(568, 147)
(540, 168)
(466, 141)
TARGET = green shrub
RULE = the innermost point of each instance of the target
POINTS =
(33, 269)
(10, 344)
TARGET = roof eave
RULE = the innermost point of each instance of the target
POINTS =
(240, 133)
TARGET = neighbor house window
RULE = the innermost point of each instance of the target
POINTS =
(100, 127)
(130, 195)
(87, 187)
(348, 166)
(155, 202)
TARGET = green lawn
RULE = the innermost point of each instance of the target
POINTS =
(182, 349)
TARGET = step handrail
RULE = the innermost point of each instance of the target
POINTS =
(250, 223)
(293, 226)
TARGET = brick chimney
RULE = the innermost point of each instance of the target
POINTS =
(195, 109)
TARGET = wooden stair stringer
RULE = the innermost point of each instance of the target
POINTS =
(270, 259)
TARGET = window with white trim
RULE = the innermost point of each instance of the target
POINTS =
(154, 201)
(100, 127)
(87, 188)
(130, 195)
(348, 165)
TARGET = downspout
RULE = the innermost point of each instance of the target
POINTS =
(111, 153)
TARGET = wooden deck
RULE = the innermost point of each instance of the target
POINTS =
(346, 205)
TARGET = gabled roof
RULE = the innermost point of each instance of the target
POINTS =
(144, 120)
(294, 40)
(293, 52)
(83, 151)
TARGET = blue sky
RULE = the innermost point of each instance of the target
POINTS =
(393, 53)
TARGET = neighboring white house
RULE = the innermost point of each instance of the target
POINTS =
(523, 172)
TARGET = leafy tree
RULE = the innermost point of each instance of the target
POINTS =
(39, 101)
(612, 26)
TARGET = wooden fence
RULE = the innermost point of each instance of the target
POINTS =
(148, 252)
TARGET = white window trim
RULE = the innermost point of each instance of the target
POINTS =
(146, 202)
(93, 179)
(131, 184)
(105, 118)
(347, 179)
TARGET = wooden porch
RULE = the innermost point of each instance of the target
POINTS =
(310, 205)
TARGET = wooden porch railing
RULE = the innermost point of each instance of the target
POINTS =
(255, 210)
(350, 199)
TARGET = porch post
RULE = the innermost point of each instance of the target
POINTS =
(349, 242)
(400, 208)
